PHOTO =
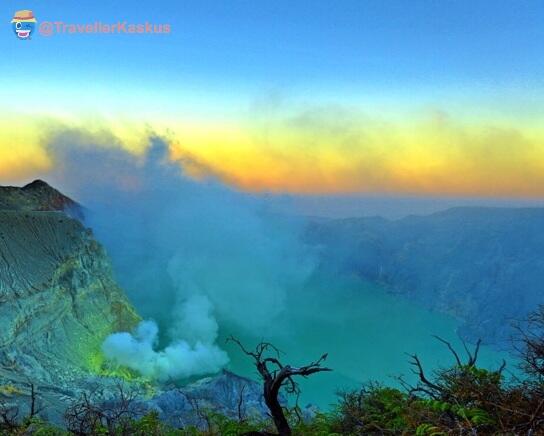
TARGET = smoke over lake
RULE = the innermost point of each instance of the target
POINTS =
(202, 261)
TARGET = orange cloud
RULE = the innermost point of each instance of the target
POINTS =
(326, 150)
(334, 151)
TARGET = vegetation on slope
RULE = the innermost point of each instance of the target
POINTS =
(462, 400)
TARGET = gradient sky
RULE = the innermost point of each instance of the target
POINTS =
(431, 97)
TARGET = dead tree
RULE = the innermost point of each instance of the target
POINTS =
(529, 343)
(241, 413)
(434, 389)
(276, 376)
(9, 414)
(90, 414)
(35, 407)
(10, 417)
(202, 413)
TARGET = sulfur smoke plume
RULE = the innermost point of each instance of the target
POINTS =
(192, 255)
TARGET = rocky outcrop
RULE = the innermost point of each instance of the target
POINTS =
(58, 299)
(58, 302)
(484, 266)
(227, 394)
(38, 196)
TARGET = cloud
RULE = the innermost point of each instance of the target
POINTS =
(330, 149)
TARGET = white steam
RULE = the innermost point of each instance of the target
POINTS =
(181, 359)
(195, 256)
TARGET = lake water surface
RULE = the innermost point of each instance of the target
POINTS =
(367, 334)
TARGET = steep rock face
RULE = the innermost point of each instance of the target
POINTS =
(482, 265)
(58, 301)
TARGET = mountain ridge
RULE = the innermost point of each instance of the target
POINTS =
(482, 265)
(38, 196)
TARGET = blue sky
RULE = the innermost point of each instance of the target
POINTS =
(326, 47)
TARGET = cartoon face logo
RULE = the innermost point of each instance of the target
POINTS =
(23, 24)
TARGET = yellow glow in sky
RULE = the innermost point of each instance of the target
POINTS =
(325, 150)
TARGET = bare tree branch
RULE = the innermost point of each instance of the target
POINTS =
(281, 376)
(457, 359)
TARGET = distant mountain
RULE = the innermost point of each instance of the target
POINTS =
(483, 265)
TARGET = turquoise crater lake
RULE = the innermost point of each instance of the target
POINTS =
(367, 334)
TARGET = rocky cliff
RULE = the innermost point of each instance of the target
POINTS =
(59, 300)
